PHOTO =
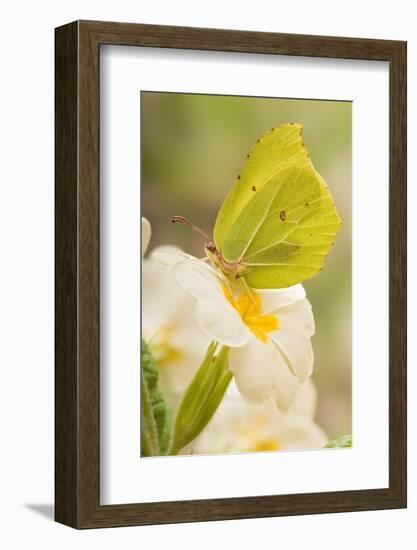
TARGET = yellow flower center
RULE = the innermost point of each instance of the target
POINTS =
(256, 435)
(163, 348)
(266, 445)
(249, 307)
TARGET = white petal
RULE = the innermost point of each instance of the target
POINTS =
(222, 323)
(164, 302)
(216, 316)
(297, 350)
(301, 432)
(261, 372)
(306, 401)
(154, 311)
(286, 388)
(294, 338)
(196, 277)
(146, 234)
(169, 255)
(274, 299)
(304, 404)
(299, 317)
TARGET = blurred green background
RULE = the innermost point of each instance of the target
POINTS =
(192, 148)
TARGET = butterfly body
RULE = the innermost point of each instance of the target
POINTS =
(232, 270)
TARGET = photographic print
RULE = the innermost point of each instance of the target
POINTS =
(218, 310)
(246, 274)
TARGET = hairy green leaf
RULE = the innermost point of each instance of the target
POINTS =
(155, 429)
(343, 442)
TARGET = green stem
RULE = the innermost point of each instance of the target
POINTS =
(202, 398)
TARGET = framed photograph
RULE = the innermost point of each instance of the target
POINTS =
(230, 274)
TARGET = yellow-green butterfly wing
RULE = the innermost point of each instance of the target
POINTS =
(278, 221)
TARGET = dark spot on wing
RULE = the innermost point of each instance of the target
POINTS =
(253, 188)
(238, 177)
(283, 215)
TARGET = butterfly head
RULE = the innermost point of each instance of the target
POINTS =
(232, 270)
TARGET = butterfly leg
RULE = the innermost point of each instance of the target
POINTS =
(249, 291)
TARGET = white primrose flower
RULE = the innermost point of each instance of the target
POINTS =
(268, 331)
(146, 235)
(168, 326)
(238, 426)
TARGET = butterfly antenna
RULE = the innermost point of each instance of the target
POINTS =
(183, 220)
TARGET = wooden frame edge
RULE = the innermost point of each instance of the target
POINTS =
(77, 274)
(66, 274)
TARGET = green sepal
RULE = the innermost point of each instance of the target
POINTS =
(344, 442)
(202, 398)
(155, 417)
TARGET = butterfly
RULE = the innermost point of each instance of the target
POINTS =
(278, 222)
